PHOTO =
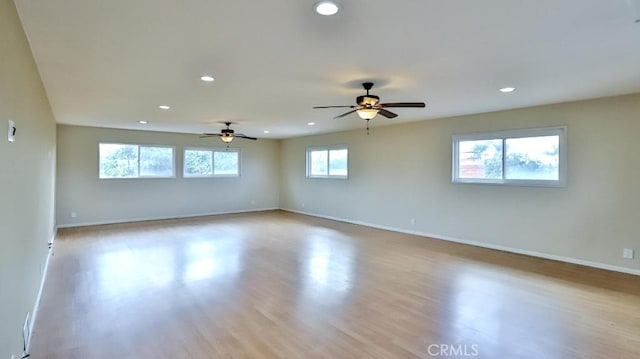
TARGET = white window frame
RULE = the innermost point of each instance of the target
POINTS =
(560, 131)
(328, 149)
(139, 145)
(212, 150)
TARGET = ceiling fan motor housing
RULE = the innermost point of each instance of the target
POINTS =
(367, 100)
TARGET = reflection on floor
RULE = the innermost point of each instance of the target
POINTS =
(281, 285)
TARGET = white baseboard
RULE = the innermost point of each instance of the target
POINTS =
(36, 305)
(480, 244)
(143, 219)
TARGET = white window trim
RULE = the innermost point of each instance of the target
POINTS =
(212, 150)
(173, 166)
(327, 148)
(560, 131)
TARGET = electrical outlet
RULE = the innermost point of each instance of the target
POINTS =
(302, 204)
(627, 253)
(413, 221)
(74, 214)
(253, 202)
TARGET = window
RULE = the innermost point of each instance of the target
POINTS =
(531, 157)
(118, 160)
(328, 162)
(211, 162)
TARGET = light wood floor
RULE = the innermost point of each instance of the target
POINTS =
(281, 285)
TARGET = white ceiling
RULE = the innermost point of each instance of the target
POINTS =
(112, 63)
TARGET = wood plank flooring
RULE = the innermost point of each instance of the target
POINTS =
(281, 285)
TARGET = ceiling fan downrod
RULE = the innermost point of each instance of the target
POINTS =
(367, 86)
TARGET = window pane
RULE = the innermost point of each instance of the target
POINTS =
(118, 161)
(198, 163)
(156, 161)
(318, 163)
(338, 162)
(480, 159)
(225, 163)
(532, 158)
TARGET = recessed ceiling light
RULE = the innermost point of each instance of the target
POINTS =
(311, 123)
(266, 131)
(164, 107)
(326, 8)
(207, 78)
(507, 89)
(143, 122)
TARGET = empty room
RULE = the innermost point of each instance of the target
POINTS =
(319, 179)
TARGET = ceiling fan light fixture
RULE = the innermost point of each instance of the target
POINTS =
(367, 113)
(507, 89)
(226, 137)
(326, 8)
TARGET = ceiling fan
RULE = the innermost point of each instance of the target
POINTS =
(227, 135)
(368, 106)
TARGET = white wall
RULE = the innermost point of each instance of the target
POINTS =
(119, 200)
(26, 180)
(404, 171)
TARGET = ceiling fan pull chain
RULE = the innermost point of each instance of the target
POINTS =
(367, 127)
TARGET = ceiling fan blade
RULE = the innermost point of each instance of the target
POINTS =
(345, 114)
(403, 104)
(334, 107)
(387, 114)
(210, 135)
(242, 135)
